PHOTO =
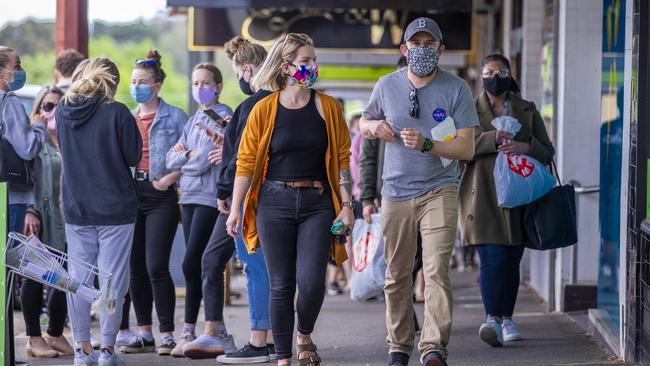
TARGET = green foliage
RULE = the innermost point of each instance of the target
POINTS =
(174, 90)
(39, 67)
(29, 37)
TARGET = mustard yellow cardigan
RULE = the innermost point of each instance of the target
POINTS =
(253, 156)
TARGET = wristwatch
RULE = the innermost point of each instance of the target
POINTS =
(427, 145)
(347, 204)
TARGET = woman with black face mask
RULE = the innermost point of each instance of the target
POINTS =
(498, 233)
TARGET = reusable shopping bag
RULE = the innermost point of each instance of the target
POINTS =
(369, 266)
(519, 179)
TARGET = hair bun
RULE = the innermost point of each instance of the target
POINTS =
(231, 47)
(154, 55)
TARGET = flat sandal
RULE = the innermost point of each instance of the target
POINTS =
(313, 359)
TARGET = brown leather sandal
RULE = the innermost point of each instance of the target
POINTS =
(312, 360)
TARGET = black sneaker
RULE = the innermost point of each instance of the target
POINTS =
(245, 355)
(398, 359)
(272, 355)
(139, 345)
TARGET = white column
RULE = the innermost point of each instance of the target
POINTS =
(578, 129)
(531, 55)
(506, 25)
(625, 176)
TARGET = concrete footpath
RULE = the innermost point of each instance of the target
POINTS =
(353, 334)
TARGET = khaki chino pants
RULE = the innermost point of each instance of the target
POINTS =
(435, 215)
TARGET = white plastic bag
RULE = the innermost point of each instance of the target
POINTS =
(369, 266)
(445, 130)
(519, 179)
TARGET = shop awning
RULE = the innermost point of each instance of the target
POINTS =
(443, 6)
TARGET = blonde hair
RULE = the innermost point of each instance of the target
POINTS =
(99, 76)
(242, 51)
(285, 49)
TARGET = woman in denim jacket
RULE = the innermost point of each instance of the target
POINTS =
(160, 125)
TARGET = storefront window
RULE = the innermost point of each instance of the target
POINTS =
(611, 133)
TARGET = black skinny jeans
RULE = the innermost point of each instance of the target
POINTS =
(198, 224)
(151, 282)
(217, 254)
(31, 300)
(294, 229)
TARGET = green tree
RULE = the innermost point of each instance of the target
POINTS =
(124, 54)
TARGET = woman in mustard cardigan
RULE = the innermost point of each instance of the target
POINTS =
(294, 162)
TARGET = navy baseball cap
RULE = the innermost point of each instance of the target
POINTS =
(423, 24)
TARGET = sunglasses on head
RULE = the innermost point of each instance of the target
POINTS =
(48, 106)
(414, 109)
(148, 62)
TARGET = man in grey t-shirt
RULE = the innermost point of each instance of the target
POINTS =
(420, 185)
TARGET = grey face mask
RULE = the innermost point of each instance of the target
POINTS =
(423, 60)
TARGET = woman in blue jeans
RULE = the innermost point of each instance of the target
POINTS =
(498, 233)
(246, 58)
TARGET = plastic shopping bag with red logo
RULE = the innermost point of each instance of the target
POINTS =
(369, 266)
(519, 179)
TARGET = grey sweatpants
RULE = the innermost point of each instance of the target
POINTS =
(109, 248)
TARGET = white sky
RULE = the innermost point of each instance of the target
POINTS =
(109, 10)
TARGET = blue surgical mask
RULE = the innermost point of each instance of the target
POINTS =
(141, 93)
(20, 78)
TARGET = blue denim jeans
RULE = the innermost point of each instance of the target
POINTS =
(17, 217)
(499, 277)
(257, 283)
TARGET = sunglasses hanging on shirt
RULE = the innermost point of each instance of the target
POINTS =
(414, 109)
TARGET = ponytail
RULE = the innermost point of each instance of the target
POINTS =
(100, 76)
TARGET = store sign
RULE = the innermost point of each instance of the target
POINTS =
(345, 28)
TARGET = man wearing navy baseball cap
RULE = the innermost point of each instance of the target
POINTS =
(409, 109)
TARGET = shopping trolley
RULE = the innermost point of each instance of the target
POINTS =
(28, 257)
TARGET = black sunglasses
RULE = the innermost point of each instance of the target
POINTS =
(414, 109)
(48, 106)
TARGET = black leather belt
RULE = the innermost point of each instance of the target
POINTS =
(141, 176)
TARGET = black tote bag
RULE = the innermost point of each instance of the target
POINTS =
(550, 222)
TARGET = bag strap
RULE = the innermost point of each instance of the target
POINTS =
(557, 174)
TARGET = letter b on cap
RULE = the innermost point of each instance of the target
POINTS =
(422, 23)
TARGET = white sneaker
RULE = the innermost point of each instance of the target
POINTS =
(124, 337)
(510, 331)
(109, 359)
(491, 333)
(83, 359)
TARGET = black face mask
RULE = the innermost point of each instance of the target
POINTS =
(245, 86)
(496, 85)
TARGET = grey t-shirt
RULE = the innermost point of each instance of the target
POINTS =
(409, 173)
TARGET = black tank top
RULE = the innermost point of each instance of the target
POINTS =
(298, 144)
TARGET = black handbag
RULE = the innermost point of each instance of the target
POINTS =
(550, 222)
(14, 170)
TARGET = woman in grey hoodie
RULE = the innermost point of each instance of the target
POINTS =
(26, 139)
(99, 142)
(198, 186)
